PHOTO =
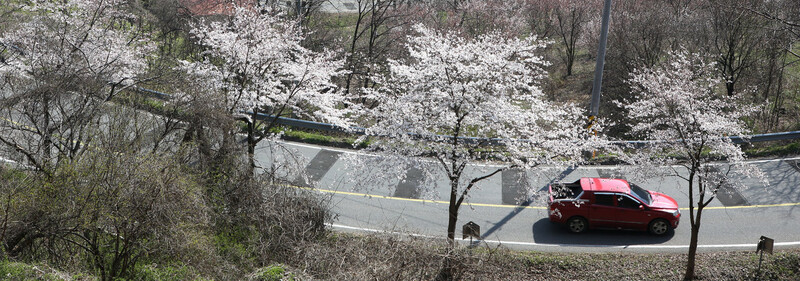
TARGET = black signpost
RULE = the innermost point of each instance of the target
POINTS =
(471, 230)
(764, 245)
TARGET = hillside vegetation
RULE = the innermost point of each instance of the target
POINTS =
(100, 182)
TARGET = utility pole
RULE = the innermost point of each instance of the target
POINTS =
(300, 6)
(598, 69)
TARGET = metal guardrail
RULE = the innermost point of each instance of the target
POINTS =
(769, 137)
(361, 131)
(736, 139)
(299, 123)
(155, 94)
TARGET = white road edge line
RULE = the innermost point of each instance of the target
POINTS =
(797, 243)
(15, 163)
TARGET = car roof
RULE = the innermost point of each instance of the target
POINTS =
(608, 185)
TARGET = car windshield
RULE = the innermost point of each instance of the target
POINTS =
(640, 193)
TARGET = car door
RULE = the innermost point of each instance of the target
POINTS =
(603, 211)
(629, 214)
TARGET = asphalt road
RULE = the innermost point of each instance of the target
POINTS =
(374, 194)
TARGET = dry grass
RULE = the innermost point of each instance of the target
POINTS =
(384, 257)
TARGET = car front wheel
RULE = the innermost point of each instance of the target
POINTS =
(577, 224)
(658, 227)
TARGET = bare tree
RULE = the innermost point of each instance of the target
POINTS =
(373, 38)
(571, 17)
(538, 15)
(641, 34)
(107, 208)
(734, 40)
(61, 66)
(776, 52)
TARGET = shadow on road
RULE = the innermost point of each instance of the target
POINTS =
(545, 232)
(521, 206)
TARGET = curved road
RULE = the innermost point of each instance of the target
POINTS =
(375, 194)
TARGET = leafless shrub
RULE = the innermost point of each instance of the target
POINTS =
(288, 218)
(108, 211)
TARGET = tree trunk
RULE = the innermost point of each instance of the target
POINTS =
(453, 213)
(570, 62)
(251, 146)
(689, 275)
(690, 263)
(693, 223)
(47, 143)
(350, 59)
(729, 88)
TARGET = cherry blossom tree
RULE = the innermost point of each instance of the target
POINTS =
(59, 62)
(680, 103)
(256, 60)
(462, 100)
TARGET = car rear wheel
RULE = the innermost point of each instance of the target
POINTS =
(577, 224)
(658, 227)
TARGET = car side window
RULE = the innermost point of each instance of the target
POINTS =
(604, 199)
(627, 202)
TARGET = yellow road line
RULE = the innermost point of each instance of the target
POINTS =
(750, 206)
(18, 124)
(517, 206)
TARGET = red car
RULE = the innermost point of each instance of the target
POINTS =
(611, 203)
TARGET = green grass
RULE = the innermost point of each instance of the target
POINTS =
(275, 272)
(152, 105)
(154, 272)
(8, 173)
(232, 243)
(774, 150)
(21, 271)
(322, 138)
(309, 137)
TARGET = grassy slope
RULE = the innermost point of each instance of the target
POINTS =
(382, 257)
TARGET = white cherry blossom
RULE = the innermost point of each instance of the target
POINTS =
(681, 106)
(256, 59)
(462, 100)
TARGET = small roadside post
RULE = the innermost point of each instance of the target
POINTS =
(471, 230)
(764, 245)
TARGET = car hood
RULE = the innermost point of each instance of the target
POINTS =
(662, 201)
